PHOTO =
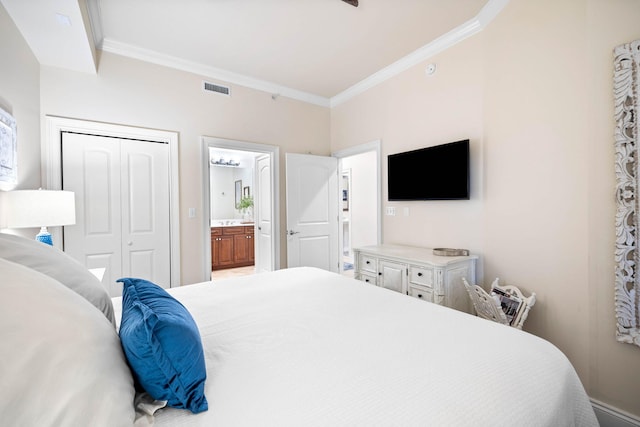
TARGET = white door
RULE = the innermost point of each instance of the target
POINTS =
(263, 214)
(312, 211)
(122, 212)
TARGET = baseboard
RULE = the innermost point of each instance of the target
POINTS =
(609, 416)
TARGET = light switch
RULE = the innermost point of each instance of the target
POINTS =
(391, 211)
(192, 212)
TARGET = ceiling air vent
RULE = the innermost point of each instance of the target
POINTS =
(212, 87)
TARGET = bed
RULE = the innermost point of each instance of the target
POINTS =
(294, 347)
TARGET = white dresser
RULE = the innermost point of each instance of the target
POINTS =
(418, 273)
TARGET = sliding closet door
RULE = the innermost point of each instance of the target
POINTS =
(122, 207)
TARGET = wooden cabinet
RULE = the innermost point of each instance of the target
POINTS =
(231, 247)
(418, 273)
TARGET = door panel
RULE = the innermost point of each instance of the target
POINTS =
(264, 222)
(141, 263)
(312, 211)
(145, 225)
(313, 251)
(393, 276)
(122, 213)
(91, 171)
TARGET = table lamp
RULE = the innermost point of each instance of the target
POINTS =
(37, 208)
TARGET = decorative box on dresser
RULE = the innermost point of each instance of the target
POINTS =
(417, 272)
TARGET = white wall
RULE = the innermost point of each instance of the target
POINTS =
(20, 97)
(363, 226)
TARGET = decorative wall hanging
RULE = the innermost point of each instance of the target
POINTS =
(8, 148)
(627, 161)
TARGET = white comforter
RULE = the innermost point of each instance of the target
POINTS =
(305, 347)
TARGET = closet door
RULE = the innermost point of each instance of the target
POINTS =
(122, 207)
(145, 211)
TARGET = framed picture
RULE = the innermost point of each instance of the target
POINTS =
(238, 193)
(8, 148)
(246, 192)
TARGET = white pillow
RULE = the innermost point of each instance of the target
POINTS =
(61, 362)
(58, 265)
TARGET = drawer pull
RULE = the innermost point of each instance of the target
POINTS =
(419, 274)
(419, 295)
(366, 280)
(368, 262)
(379, 273)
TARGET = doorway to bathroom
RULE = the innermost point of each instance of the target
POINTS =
(240, 204)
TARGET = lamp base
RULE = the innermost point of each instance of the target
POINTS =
(44, 236)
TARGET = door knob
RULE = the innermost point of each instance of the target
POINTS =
(129, 243)
(291, 232)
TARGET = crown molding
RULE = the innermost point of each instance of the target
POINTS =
(461, 32)
(473, 26)
(154, 57)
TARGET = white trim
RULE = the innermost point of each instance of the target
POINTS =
(52, 168)
(271, 150)
(467, 29)
(153, 57)
(96, 22)
(438, 45)
(490, 10)
(608, 416)
(364, 148)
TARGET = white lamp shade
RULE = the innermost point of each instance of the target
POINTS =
(37, 208)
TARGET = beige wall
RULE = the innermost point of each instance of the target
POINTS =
(614, 367)
(533, 92)
(20, 97)
(136, 93)
(414, 110)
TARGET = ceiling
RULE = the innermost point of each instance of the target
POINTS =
(313, 50)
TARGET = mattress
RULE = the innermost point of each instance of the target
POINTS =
(306, 347)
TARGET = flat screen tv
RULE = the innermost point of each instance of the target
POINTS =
(440, 172)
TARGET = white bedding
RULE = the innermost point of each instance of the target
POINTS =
(305, 347)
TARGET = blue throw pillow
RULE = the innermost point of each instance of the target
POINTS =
(162, 345)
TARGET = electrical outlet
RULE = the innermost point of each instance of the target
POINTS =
(391, 211)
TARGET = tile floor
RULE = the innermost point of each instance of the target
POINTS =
(245, 271)
(232, 272)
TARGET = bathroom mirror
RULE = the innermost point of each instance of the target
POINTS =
(627, 161)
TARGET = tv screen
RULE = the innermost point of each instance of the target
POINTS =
(440, 172)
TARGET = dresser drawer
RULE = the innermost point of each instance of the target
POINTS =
(368, 278)
(216, 231)
(368, 264)
(421, 275)
(420, 292)
(232, 230)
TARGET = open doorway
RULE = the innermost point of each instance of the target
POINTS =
(359, 170)
(240, 204)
